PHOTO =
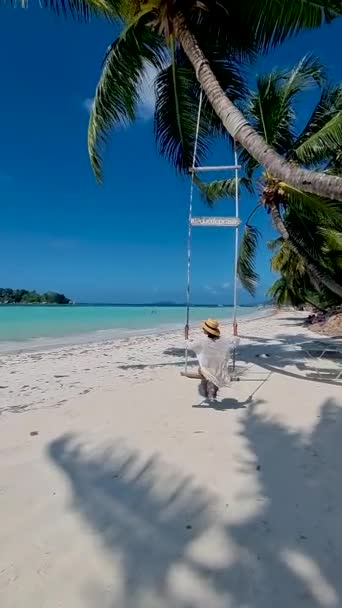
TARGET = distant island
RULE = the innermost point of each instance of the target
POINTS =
(23, 296)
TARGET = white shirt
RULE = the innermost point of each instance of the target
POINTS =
(213, 358)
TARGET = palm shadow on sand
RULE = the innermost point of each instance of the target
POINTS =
(150, 517)
(278, 355)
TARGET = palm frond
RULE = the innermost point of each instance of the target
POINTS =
(175, 123)
(177, 97)
(231, 76)
(332, 238)
(246, 261)
(328, 105)
(249, 164)
(311, 238)
(117, 93)
(222, 24)
(274, 21)
(282, 294)
(332, 250)
(274, 244)
(81, 10)
(309, 71)
(334, 166)
(288, 263)
(322, 144)
(227, 59)
(312, 208)
(302, 273)
(224, 188)
(304, 234)
(270, 107)
(269, 22)
(266, 114)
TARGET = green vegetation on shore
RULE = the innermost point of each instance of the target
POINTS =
(23, 296)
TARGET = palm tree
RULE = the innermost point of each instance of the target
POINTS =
(294, 286)
(297, 215)
(282, 293)
(191, 42)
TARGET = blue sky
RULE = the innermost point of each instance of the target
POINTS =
(123, 241)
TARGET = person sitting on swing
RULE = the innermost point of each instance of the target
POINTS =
(213, 355)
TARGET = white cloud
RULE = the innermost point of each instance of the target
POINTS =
(210, 288)
(225, 285)
(147, 101)
(87, 104)
(146, 93)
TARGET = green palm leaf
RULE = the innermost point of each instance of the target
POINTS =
(329, 104)
(249, 164)
(177, 98)
(219, 189)
(175, 121)
(273, 21)
(220, 23)
(312, 208)
(270, 110)
(246, 261)
(269, 115)
(287, 262)
(334, 166)
(117, 93)
(230, 74)
(274, 244)
(304, 234)
(308, 71)
(265, 22)
(283, 294)
(322, 144)
(270, 107)
(332, 238)
(332, 249)
(77, 9)
(296, 280)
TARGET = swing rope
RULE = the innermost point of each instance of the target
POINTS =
(192, 184)
(188, 288)
(236, 253)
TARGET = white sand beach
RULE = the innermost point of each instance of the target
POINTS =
(119, 488)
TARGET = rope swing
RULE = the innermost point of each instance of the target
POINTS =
(209, 221)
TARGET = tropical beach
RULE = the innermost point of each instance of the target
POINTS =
(120, 487)
(171, 304)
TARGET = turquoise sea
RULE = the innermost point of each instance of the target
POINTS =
(39, 326)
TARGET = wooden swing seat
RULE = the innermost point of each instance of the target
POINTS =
(194, 375)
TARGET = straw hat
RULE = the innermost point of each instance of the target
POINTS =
(211, 326)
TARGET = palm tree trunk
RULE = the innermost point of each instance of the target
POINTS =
(318, 275)
(313, 304)
(238, 127)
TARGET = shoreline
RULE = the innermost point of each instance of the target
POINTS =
(31, 380)
(104, 336)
